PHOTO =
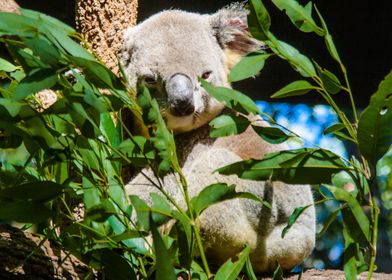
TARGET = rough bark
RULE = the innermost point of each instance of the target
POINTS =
(25, 256)
(102, 23)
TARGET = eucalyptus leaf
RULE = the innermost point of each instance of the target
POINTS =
(219, 192)
(374, 133)
(24, 212)
(165, 269)
(297, 88)
(234, 99)
(35, 82)
(293, 218)
(249, 66)
(230, 270)
(300, 16)
(33, 191)
(226, 125)
(272, 135)
(259, 20)
(316, 166)
(7, 66)
(298, 61)
(360, 220)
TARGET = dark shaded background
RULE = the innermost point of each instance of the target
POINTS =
(362, 32)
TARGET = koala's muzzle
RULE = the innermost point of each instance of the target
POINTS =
(179, 88)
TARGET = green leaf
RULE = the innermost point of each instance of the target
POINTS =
(272, 135)
(327, 223)
(185, 239)
(14, 24)
(293, 218)
(298, 61)
(24, 212)
(259, 20)
(34, 191)
(35, 82)
(303, 166)
(230, 270)
(374, 128)
(297, 88)
(12, 107)
(300, 16)
(225, 125)
(328, 39)
(234, 99)
(333, 128)
(47, 20)
(330, 81)
(114, 265)
(43, 49)
(164, 265)
(278, 274)
(360, 221)
(142, 212)
(138, 150)
(7, 66)
(219, 192)
(248, 66)
(249, 270)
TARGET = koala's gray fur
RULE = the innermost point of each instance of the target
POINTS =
(169, 51)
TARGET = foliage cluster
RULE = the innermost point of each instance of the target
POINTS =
(75, 151)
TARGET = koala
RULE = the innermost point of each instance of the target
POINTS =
(168, 52)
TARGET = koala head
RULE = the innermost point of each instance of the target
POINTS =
(172, 49)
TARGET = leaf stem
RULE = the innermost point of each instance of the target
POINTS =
(375, 214)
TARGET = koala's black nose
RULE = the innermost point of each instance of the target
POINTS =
(179, 88)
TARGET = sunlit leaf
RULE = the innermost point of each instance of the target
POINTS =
(226, 125)
(219, 192)
(234, 99)
(259, 20)
(314, 166)
(249, 66)
(300, 16)
(230, 270)
(35, 82)
(296, 88)
(7, 66)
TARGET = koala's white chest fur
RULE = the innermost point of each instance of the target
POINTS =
(169, 52)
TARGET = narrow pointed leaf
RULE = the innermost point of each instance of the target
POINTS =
(272, 135)
(297, 88)
(293, 218)
(249, 66)
(259, 20)
(164, 265)
(234, 99)
(300, 16)
(230, 270)
(315, 168)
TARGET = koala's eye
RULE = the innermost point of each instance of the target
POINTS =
(206, 75)
(149, 80)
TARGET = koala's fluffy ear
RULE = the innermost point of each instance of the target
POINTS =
(230, 26)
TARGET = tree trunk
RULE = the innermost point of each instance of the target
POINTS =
(23, 255)
(102, 23)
